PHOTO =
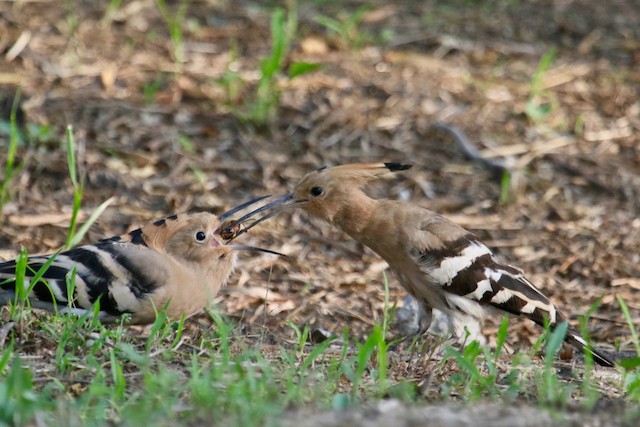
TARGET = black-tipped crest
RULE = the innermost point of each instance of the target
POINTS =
(393, 167)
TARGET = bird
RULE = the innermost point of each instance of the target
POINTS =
(176, 263)
(441, 264)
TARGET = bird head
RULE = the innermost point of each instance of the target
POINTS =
(191, 237)
(325, 191)
(194, 237)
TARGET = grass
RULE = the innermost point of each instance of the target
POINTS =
(550, 388)
(538, 105)
(75, 236)
(169, 384)
(151, 89)
(267, 93)
(87, 373)
(472, 379)
(260, 107)
(173, 374)
(175, 371)
(175, 21)
(207, 371)
(631, 366)
(505, 188)
(20, 307)
(347, 28)
(11, 167)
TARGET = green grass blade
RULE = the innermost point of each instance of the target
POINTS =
(71, 286)
(299, 68)
(554, 343)
(632, 327)
(77, 188)
(543, 67)
(179, 331)
(501, 338)
(77, 237)
(315, 353)
(271, 65)
(10, 166)
(21, 270)
(71, 156)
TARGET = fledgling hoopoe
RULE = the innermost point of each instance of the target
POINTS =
(175, 262)
(440, 263)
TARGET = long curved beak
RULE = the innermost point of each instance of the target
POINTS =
(275, 203)
(227, 227)
(238, 208)
(281, 204)
(255, 248)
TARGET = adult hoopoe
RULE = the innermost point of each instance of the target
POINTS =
(175, 262)
(440, 263)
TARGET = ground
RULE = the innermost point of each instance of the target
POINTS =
(549, 89)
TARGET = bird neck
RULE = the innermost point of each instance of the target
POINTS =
(355, 214)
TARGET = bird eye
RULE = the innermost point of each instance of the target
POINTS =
(200, 236)
(316, 191)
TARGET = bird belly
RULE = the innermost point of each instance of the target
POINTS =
(465, 305)
(464, 316)
(429, 294)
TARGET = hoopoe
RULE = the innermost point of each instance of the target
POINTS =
(441, 264)
(176, 262)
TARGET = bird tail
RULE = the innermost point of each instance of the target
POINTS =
(574, 338)
(45, 279)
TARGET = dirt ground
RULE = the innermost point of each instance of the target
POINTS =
(392, 412)
(162, 137)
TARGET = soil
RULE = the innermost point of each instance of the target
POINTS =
(163, 135)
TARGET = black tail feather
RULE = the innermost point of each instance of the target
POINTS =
(599, 356)
(398, 166)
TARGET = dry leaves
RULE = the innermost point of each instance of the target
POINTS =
(570, 220)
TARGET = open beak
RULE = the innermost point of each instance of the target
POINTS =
(238, 208)
(281, 204)
(255, 248)
(231, 229)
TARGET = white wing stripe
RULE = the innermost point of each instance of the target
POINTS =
(120, 274)
(502, 296)
(451, 266)
(482, 287)
(54, 285)
(529, 307)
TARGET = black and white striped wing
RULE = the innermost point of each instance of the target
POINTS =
(469, 269)
(112, 271)
(55, 274)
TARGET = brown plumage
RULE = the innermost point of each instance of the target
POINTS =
(441, 264)
(176, 262)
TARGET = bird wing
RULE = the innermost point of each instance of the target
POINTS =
(456, 261)
(120, 271)
(460, 264)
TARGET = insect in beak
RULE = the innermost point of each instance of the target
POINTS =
(233, 229)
